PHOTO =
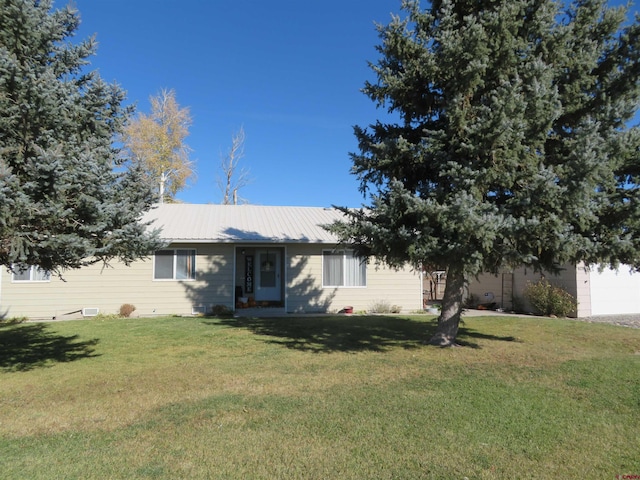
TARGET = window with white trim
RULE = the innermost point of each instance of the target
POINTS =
(179, 264)
(30, 273)
(340, 268)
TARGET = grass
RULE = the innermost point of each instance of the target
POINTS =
(318, 397)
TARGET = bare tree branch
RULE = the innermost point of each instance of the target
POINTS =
(233, 178)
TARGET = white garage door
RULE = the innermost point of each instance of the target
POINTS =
(615, 292)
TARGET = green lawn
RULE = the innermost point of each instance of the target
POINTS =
(318, 398)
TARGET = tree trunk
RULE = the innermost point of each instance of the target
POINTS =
(449, 319)
(163, 179)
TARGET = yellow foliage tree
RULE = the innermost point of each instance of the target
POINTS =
(157, 142)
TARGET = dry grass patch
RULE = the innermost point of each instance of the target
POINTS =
(344, 397)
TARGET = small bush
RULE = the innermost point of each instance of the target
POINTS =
(221, 311)
(383, 306)
(548, 299)
(126, 310)
(12, 320)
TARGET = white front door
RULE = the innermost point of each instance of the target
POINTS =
(268, 274)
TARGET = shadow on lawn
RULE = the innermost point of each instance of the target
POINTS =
(464, 334)
(24, 347)
(350, 334)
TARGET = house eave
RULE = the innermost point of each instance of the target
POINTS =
(249, 241)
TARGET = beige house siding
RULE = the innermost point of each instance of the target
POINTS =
(213, 284)
(304, 273)
(503, 294)
(487, 286)
(219, 269)
(583, 291)
(109, 287)
(88, 287)
(306, 293)
(598, 291)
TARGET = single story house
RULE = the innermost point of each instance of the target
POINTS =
(236, 256)
(598, 291)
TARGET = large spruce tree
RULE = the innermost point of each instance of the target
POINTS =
(64, 200)
(506, 143)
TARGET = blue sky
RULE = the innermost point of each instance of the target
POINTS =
(288, 71)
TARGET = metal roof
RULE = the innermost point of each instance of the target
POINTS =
(242, 223)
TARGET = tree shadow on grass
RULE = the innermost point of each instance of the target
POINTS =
(465, 334)
(24, 347)
(348, 334)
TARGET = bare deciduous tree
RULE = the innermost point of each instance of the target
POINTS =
(233, 178)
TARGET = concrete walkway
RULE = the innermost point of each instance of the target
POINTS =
(632, 321)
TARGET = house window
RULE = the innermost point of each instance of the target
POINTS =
(340, 268)
(174, 265)
(30, 273)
